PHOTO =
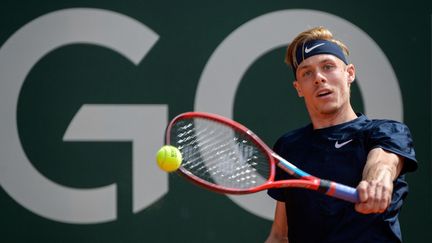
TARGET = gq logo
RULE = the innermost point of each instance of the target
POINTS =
(96, 122)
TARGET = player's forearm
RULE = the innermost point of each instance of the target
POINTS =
(277, 239)
(278, 234)
(279, 230)
(381, 164)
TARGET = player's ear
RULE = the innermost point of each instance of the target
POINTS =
(351, 72)
(298, 88)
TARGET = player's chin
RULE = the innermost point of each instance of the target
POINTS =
(329, 109)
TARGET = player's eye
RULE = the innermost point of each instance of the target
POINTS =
(306, 73)
(328, 67)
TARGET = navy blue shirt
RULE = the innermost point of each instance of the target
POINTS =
(339, 153)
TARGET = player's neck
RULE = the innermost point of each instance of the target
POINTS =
(332, 119)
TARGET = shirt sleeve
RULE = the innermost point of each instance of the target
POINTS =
(394, 137)
(278, 193)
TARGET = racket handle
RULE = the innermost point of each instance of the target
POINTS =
(344, 192)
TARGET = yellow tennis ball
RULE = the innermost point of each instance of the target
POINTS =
(169, 158)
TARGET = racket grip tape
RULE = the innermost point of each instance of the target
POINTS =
(340, 191)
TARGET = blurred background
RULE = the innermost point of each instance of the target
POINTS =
(88, 87)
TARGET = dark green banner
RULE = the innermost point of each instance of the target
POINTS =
(88, 87)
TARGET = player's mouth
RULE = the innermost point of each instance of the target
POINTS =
(323, 93)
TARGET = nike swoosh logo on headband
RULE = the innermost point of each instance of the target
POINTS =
(307, 50)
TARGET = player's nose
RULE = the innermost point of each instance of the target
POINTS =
(319, 78)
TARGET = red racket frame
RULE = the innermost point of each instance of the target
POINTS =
(303, 179)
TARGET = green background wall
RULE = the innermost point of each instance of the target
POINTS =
(189, 33)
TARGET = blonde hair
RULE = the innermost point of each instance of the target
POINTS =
(317, 33)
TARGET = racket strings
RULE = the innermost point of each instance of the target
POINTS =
(218, 154)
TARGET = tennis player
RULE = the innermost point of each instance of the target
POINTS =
(343, 146)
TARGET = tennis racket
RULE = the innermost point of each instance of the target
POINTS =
(224, 156)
